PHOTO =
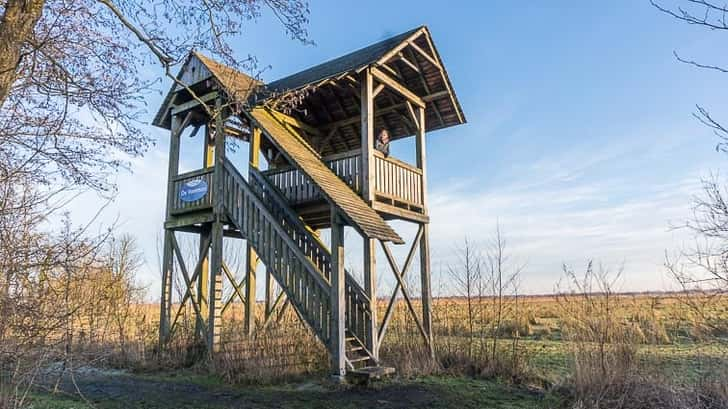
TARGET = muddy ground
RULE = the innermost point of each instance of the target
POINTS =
(113, 389)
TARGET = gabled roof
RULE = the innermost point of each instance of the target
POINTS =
(198, 68)
(349, 62)
(332, 104)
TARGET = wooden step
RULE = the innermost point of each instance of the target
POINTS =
(368, 373)
(359, 359)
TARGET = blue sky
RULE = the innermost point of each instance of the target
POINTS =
(579, 143)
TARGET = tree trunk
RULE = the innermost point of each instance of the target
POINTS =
(16, 27)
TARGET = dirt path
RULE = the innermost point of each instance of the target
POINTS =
(119, 390)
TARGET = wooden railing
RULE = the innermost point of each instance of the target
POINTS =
(395, 181)
(358, 313)
(192, 182)
(281, 253)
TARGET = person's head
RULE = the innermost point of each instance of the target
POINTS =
(383, 136)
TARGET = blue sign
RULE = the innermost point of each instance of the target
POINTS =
(193, 190)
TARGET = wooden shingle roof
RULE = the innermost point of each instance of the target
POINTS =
(349, 62)
(198, 69)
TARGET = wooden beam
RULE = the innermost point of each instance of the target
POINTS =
(165, 303)
(250, 255)
(393, 52)
(370, 287)
(405, 292)
(382, 111)
(425, 272)
(338, 300)
(188, 281)
(367, 136)
(445, 79)
(390, 306)
(408, 63)
(377, 90)
(401, 89)
(414, 116)
(423, 53)
(423, 81)
(203, 281)
(186, 106)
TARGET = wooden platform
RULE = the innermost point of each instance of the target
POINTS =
(352, 207)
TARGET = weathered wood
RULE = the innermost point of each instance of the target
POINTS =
(237, 288)
(401, 89)
(393, 52)
(367, 137)
(370, 287)
(390, 306)
(409, 63)
(251, 256)
(405, 292)
(356, 211)
(425, 272)
(214, 325)
(295, 122)
(166, 299)
(216, 252)
(424, 54)
(203, 281)
(426, 287)
(338, 306)
(194, 103)
(167, 256)
(189, 285)
(356, 119)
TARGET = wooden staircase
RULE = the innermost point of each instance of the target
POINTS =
(301, 264)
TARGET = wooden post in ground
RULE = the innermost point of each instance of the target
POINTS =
(338, 305)
(250, 256)
(367, 171)
(370, 287)
(425, 239)
(203, 283)
(167, 256)
(214, 324)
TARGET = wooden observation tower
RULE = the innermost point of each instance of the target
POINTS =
(315, 133)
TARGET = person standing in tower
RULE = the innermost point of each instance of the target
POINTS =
(382, 142)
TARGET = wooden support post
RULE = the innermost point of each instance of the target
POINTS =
(203, 281)
(268, 294)
(250, 284)
(166, 300)
(370, 287)
(250, 256)
(214, 323)
(338, 304)
(367, 136)
(167, 256)
(209, 153)
(425, 272)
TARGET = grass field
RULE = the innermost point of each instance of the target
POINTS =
(543, 346)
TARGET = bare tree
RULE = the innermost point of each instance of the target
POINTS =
(467, 281)
(71, 83)
(710, 15)
(504, 276)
